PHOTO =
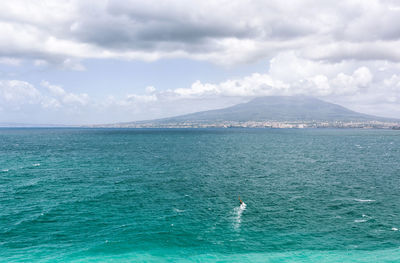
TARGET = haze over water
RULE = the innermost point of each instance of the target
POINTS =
(312, 195)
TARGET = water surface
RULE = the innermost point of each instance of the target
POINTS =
(312, 195)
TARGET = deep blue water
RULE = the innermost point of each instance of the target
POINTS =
(312, 195)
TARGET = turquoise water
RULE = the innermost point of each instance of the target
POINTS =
(127, 195)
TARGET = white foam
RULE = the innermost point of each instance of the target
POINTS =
(36, 164)
(395, 229)
(5, 170)
(364, 200)
(360, 220)
(237, 211)
(31, 182)
(178, 210)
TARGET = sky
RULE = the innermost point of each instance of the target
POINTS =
(107, 61)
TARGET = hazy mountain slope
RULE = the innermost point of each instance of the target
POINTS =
(278, 108)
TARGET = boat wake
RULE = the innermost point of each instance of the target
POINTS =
(237, 212)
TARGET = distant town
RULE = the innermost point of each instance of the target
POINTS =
(260, 124)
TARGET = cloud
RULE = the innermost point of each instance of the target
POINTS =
(372, 87)
(21, 101)
(150, 89)
(66, 98)
(352, 84)
(17, 95)
(14, 93)
(73, 64)
(225, 32)
(290, 74)
(54, 89)
(10, 61)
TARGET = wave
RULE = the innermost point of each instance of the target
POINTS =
(31, 218)
(178, 210)
(29, 183)
(27, 166)
(364, 200)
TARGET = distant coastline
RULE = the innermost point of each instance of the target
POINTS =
(227, 125)
(264, 112)
(255, 124)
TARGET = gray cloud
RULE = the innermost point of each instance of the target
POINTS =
(207, 30)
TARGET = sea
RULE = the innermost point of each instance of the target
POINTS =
(172, 195)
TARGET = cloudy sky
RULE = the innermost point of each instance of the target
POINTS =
(83, 61)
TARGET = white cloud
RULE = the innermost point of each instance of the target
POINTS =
(10, 61)
(21, 101)
(54, 89)
(13, 93)
(17, 95)
(73, 64)
(140, 98)
(292, 76)
(150, 89)
(66, 97)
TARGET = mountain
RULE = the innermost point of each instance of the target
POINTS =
(277, 108)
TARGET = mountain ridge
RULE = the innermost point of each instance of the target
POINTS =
(275, 108)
